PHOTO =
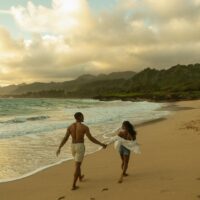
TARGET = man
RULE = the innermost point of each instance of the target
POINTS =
(77, 131)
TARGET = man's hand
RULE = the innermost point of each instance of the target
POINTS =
(104, 146)
(58, 152)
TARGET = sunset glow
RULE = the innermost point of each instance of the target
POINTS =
(94, 37)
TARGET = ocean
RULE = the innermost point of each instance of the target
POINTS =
(31, 129)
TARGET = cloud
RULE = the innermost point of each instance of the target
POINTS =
(63, 17)
(69, 39)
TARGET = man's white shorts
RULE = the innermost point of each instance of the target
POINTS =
(78, 151)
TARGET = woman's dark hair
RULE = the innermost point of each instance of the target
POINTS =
(130, 128)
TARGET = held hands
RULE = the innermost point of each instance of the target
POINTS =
(104, 146)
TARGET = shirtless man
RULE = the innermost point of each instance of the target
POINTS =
(77, 131)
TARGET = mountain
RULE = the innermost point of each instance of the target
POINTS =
(176, 83)
(8, 89)
(67, 86)
(116, 75)
(177, 78)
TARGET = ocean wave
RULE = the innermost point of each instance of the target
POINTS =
(24, 119)
(19, 129)
(37, 118)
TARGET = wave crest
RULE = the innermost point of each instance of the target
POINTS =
(25, 119)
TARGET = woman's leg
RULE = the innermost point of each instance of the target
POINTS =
(126, 161)
(122, 158)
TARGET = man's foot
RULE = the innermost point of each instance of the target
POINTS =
(75, 187)
(125, 174)
(81, 178)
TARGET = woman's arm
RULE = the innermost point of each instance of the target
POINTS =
(121, 134)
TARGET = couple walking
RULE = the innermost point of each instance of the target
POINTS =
(78, 130)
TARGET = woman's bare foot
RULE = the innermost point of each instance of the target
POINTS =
(121, 179)
(81, 178)
(75, 187)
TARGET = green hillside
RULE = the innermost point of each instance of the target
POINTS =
(176, 83)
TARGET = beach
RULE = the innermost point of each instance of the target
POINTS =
(31, 129)
(167, 169)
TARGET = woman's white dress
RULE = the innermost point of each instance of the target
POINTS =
(132, 145)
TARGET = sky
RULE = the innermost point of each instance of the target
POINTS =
(59, 40)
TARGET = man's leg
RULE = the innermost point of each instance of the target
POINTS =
(80, 152)
(81, 176)
(77, 174)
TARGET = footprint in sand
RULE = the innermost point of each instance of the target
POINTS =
(92, 198)
(192, 125)
(60, 198)
(198, 196)
(198, 179)
(104, 189)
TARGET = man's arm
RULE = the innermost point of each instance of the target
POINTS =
(64, 140)
(92, 139)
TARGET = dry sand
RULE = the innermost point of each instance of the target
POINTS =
(167, 169)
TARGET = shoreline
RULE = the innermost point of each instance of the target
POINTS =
(110, 98)
(70, 159)
(163, 99)
(43, 169)
(170, 107)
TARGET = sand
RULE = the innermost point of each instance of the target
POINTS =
(167, 169)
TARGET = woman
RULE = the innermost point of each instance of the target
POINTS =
(127, 133)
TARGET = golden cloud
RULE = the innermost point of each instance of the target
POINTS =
(69, 39)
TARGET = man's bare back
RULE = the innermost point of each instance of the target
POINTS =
(77, 131)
